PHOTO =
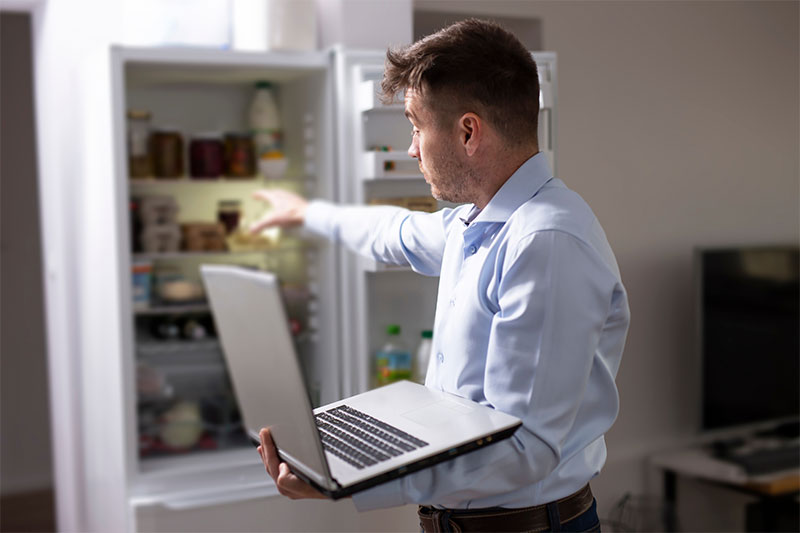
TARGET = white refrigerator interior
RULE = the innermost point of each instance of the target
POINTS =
(188, 462)
(186, 445)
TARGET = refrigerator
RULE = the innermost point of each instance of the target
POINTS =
(185, 451)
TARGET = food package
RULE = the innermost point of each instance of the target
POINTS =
(203, 236)
(182, 425)
(161, 239)
(158, 210)
(180, 290)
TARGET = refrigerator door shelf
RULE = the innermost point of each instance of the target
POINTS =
(368, 98)
(390, 165)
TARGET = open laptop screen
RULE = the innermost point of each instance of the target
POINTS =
(252, 324)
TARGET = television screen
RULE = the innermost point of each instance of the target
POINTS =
(749, 317)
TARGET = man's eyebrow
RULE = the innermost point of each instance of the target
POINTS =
(409, 114)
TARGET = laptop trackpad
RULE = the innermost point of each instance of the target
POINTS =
(438, 414)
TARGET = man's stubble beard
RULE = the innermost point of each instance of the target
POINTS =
(456, 182)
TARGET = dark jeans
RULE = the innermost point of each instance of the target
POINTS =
(586, 522)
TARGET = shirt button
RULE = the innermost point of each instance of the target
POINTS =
(440, 357)
(472, 249)
(452, 302)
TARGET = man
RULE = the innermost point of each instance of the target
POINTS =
(531, 315)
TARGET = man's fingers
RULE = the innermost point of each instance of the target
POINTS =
(288, 484)
(292, 486)
(265, 195)
(264, 223)
(271, 453)
(260, 450)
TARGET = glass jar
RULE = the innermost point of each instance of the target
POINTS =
(206, 156)
(229, 212)
(240, 159)
(138, 152)
(166, 147)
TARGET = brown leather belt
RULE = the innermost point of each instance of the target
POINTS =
(534, 518)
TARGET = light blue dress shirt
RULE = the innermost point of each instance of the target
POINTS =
(531, 319)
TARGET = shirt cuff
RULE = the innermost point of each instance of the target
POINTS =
(389, 494)
(319, 218)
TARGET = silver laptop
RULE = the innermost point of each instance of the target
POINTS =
(349, 445)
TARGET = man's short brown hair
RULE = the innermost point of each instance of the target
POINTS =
(471, 66)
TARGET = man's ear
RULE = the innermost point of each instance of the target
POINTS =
(470, 132)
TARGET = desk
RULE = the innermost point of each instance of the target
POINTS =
(776, 489)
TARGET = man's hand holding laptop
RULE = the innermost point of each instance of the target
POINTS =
(288, 484)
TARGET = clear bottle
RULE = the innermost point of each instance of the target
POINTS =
(139, 164)
(265, 122)
(423, 356)
(393, 360)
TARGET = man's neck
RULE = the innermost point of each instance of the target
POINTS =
(504, 167)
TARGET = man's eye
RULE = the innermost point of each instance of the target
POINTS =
(414, 132)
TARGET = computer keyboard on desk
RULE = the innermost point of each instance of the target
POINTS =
(766, 460)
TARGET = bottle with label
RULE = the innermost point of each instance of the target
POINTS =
(138, 152)
(423, 356)
(393, 360)
(265, 124)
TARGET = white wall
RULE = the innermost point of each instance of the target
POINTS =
(678, 123)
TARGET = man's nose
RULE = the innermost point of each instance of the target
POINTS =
(413, 149)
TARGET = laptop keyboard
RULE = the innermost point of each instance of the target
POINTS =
(361, 440)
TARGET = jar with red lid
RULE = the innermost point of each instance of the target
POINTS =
(240, 158)
(166, 147)
(206, 156)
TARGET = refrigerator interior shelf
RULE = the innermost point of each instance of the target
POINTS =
(162, 65)
(179, 255)
(158, 348)
(209, 182)
(173, 309)
(368, 98)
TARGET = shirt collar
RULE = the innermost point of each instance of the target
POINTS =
(518, 189)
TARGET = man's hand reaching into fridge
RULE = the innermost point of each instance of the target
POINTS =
(288, 209)
(288, 484)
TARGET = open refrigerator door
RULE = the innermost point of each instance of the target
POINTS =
(374, 168)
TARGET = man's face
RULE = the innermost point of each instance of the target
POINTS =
(438, 151)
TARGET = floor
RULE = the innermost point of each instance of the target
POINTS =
(31, 511)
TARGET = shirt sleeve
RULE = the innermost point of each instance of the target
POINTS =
(386, 234)
(552, 302)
